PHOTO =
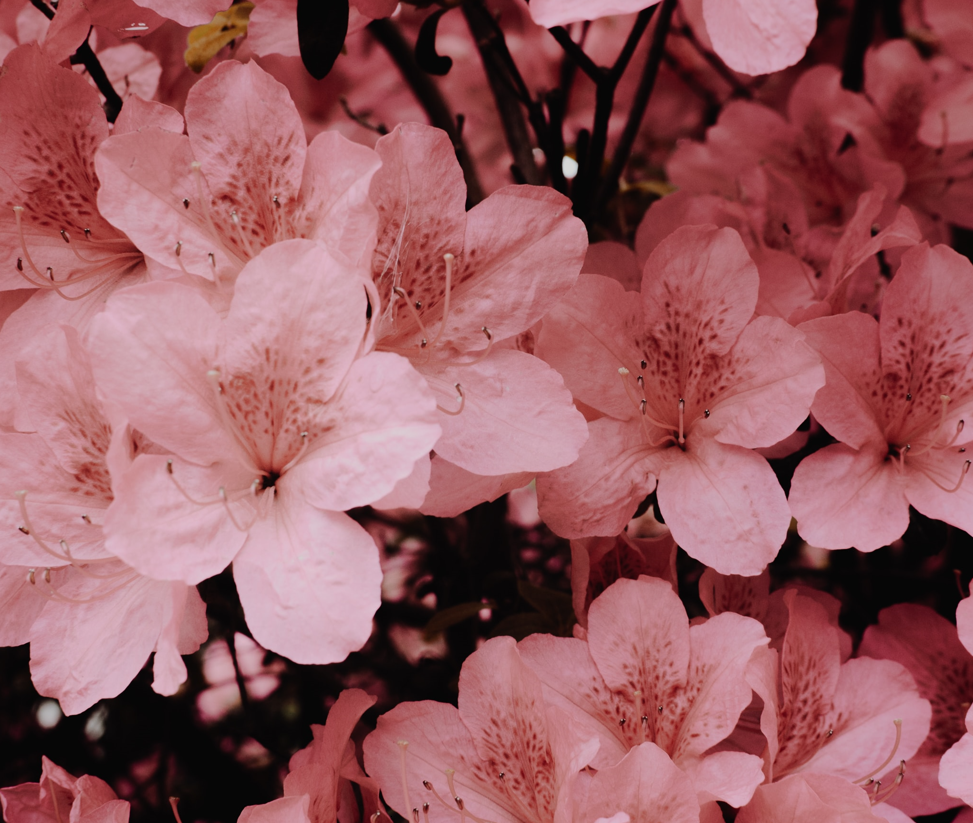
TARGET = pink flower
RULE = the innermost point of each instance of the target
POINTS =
(242, 179)
(688, 384)
(645, 674)
(503, 755)
(91, 620)
(457, 289)
(897, 397)
(59, 797)
(955, 765)
(751, 37)
(326, 768)
(928, 646)
(276, 425)
(810, 798)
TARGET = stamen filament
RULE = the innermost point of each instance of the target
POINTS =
(229, 513)
(235, 219)
(400, 292)
(403, 745)
(448, 258)
(22, 501)
(895, 748)
(682, 412)
(300, 453)
(461, 399)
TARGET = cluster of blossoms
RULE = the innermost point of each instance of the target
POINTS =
(218, 338)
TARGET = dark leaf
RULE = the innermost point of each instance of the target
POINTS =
(427, 57)
(453, 615)
(321, 29)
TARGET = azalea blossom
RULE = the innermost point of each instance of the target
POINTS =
(644, 674)
(91, 620)
(897, 396)
(60, 796)
(684, 384)
(456, 291)
(503, 755)
(928, 646)
(277, 423)
(954, 767)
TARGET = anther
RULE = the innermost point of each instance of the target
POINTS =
(908, 396)
(178, 248)
(623, 371)
(660, 709)
(641, 381)
(501, 775)
(20, 264)
(415, 815)
(621, 722)
(418, 305)
(829, 733)
(64, 236)
(86, 519)
(212, 259)
(185, 202)
(277, 201)
(459, 803)
(642, 404)
(705, 412)
(374, 818)
(30, 577)
(427, 784)
(24, 529)
(460, 398)
(644, 365)
(87, 234)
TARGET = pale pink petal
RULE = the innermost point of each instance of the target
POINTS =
(809, 798)
(615, 260)
(184, 631)
(843, 498)
(871, 695)
(638, 636)
(946, 119)
(890, 814)
(647, 786)
(54, 501)
(717, 693)
(167, 335)
(759, 37)
(309, 582)
(809, 674)
(84, 652)
(334, 203)
(68, 30)
(314, 771)
(929, 484)
(572, 682)
(728, 776)
(733, 593)
(22, 603)
(132, 69)
(699, 284)
(584, 338)
(368, 443)
(410, 491)
(516, 416)
(273, 29)
(550, 13)
(145, 178)
(436, 740)
(453, 490)
(848, 405)
(599, 493)
(168, 521)
(185, 12)
(501, 703)
(955, 769)
(522, 252)
(250, 151)
(953, 24)
(137, 114)
(723, 505)
(281, 810)
(775, 376)
(314, 332)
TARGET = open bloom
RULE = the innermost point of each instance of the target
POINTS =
(928, 646)
(898, 394)
(91, 620)
(644, 674)
(955, 766)
(276, 426)
(503, 755)
(60, 796)
(456, 291)
(687, 383)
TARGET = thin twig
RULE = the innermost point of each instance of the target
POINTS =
(639, 104)
(587, 183)
(577, 54)
(860, 33)
(430, 98)
(507, 86)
